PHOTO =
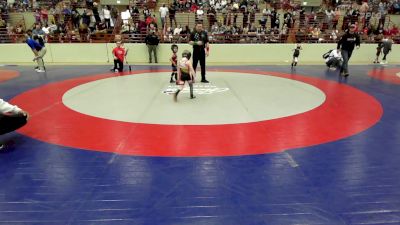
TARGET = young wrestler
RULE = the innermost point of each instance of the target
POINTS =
(119, 55)
(185, 73)
(174, 62)
(296, 55)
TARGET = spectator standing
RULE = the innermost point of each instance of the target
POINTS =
(152, 41)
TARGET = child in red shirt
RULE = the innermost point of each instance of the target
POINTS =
(119, 55)
(174, 62)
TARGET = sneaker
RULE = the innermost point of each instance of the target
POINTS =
(116, 71)
(346, 74)
(171, 81)
(205, 81)
(2, 146)
(192, 97)
(332, 68)
(41, 71)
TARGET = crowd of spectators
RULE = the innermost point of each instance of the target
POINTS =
(238, 21)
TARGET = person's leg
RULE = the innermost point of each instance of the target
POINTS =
(384, 56)
(335, 63)
(344, 69)
(377, 57)
(40, 60)
(329, 63)
(177, 91)
(11, 123)
(202, 57)
(191, 90)
(120, 66)
(155, 53)
(195, 59)
(149, 50)
(163, 22)
(115, 64)
(173, 74)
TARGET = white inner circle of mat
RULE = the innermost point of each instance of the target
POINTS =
(241, 98)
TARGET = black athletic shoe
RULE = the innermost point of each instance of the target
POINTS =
(171, 81)
(346, 75)
(192, 97)
(205, 81)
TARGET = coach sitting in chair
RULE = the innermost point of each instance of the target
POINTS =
(11, 118)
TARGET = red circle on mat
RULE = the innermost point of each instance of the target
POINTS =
(388, 75)
(346, 111)
(6, 75)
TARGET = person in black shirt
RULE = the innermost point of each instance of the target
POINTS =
(152, 41)
(199, 40)
(172, 13)
(347, 43)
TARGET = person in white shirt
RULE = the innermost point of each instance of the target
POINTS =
(334, 60)
(125, 16)
(107, 16)
(11, 118)
(199, 14)
(223, 3)
(212, 2)
(178, 30)
(163, 14)
(46, 29)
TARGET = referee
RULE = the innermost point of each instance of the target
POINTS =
(199, 41)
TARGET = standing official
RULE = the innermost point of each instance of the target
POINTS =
(199, 41)
(346, 44)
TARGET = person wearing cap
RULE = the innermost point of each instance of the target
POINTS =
(185, 73)
(119, 55)
(11, 118)
(346, 44)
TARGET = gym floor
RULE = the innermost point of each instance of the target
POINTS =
(262, 145)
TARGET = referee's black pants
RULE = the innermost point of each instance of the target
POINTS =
(200, 55)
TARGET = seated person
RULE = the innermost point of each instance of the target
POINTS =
(334, 60)
(11, 118)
